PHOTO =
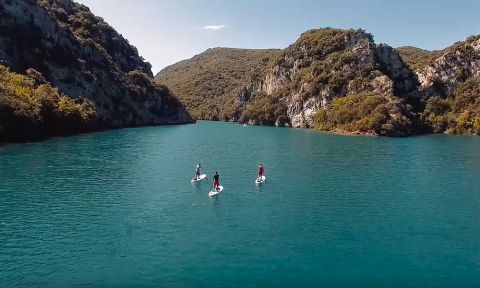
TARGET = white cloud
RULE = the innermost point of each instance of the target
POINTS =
(214, 27)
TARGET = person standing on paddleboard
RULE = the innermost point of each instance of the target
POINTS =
(260, 171)
(216, 177)
(198, 169)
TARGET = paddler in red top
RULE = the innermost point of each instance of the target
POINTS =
(260, 172)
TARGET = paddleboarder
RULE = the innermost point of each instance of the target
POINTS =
(260, 171)
(216, 178)
(198, 170)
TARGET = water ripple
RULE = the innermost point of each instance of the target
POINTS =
(117, 209)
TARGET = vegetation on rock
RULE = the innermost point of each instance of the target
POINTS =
(265, 109)
(338, 80)
(457, 114)
(31, 108)
(417, 59)
(82, 57)
(321, 66)
(369, 113)
(94, 31)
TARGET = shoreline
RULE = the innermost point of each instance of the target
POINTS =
(349, 133)
(338, 132)
(27, 140)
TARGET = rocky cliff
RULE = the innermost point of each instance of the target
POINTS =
(450, 87)
(289, 87)
(84, 57)
(453, 68)
(342, 81)
(323, 65)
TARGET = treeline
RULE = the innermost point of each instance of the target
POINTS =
(31, 108)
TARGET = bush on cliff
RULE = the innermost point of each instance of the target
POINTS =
(265, 110)
(459, 113)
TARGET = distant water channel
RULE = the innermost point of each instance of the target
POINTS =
(116, 209)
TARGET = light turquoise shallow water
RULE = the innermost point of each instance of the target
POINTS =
(117, 209)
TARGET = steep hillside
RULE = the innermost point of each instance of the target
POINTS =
(451, 88)
(455, 66)
(327, 64)
(31, 109)
(341, 81)
(84, 57)
(208, 82)
(288, 87)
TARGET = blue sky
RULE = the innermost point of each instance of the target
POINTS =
(166, 31)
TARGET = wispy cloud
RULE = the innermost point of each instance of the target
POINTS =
(214, 27)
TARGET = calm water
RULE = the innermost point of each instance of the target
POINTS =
(117, 209)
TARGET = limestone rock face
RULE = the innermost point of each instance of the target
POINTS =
(326, 64)
(457, 65)
(342, 81)
(84, 57)
(394, 68)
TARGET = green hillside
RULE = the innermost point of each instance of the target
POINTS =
(417, 58)
(208, 83)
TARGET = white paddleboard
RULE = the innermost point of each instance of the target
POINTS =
(260, 180)
(215, 192)
(200, 178)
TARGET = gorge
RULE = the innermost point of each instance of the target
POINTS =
(336, 80)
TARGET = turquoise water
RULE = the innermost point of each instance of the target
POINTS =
(116, 209)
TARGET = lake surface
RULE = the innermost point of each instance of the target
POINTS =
(116, 209)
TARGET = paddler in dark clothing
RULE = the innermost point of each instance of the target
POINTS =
(216, 178)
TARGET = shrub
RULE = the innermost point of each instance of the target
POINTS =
(367, 113)
(458, 113)
(435, 114)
